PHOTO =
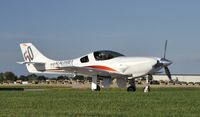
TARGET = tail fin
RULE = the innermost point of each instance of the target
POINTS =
(34, 60)
(31, 53)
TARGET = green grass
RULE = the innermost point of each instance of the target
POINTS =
(161, 102)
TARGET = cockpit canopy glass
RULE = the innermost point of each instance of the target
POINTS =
(106, 55)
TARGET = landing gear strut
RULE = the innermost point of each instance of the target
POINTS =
(147, 86)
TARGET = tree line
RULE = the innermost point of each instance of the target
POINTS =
(11, 77)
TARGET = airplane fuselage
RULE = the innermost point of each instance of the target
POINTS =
(134, 66)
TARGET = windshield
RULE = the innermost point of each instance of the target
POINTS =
(106, 55)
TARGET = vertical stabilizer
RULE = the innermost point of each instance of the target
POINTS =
(35, 61)
(31, 53)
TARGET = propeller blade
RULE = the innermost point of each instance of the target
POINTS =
(157, 64)
(165, 49)
(167, 71)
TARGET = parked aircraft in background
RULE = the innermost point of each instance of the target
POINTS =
(105, 64)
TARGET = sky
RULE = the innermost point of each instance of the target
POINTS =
(66, 29)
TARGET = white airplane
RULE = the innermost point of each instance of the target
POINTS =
(105, 64)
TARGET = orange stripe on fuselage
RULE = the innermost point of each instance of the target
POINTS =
(101, 67)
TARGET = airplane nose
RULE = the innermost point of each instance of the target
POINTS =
(165, 62)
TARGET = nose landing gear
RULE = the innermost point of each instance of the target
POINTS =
(147, 86)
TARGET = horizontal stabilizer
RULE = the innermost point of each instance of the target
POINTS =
(30, 62)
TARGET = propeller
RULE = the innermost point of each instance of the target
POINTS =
(166, 62)
(163, 62)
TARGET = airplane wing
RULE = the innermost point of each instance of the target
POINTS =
(87, 70)
(91, 71)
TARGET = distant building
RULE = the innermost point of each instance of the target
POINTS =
(179, 77)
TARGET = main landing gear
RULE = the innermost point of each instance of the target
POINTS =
(106, 82)
(98, 88)
(132, 87)
(95, 86)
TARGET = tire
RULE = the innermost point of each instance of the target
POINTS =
(131, 89)
(98, 88)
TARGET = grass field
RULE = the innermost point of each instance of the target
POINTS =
(56, 102)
